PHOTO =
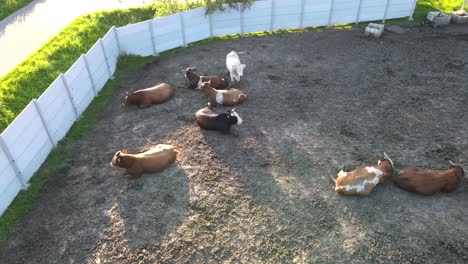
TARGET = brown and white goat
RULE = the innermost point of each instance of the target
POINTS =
(362, 180)
(427, 181)
(210, 120)
(229, 97)
(153, 160)
(146, 97)
(196, 80)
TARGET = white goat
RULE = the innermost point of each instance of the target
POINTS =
(235, 68)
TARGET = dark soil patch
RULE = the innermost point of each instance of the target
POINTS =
(262, 193)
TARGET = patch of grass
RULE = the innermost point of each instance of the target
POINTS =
(32, 76)
(7, 7)
(425, 6)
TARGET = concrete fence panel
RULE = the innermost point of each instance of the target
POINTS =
(28, 142)
(57, 110)
(80, 85)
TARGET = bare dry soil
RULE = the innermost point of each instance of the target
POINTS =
(262, 193)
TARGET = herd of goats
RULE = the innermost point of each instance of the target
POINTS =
(359, 182)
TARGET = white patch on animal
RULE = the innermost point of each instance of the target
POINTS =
(219, 97)
(362, 186)
(377, 172)
(200, 81)
(239, 120)
(342, 174)
(112, 165)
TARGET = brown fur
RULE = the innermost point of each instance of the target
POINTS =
(155, 95)
(153, 160)
(361, 174)
(216, 82)
(231, 97)
(427, 182)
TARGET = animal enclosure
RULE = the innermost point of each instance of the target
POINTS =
(28, 140)
(262, 193)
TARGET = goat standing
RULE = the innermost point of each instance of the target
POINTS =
(235, 68)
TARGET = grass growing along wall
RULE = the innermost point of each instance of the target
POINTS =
(33, 76)
(7, 7)
(425, 6)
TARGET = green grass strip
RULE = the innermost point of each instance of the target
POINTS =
(425, 6)
(31, 77)
(7, 7)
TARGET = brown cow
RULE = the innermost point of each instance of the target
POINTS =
(153, 160)
(363, 180)
(229, 97)
(427, 182)
(196, 80)
(146, 97)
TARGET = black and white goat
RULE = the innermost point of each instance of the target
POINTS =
(210, 120)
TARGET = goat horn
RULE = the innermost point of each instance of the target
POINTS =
(458, 165)
(333, 179)
(389, 159)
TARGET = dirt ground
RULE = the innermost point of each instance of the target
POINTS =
(262, 193)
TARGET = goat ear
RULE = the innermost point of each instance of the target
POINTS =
(124, 151)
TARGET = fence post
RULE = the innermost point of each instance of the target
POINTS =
(44, 122)
(153, 44)
(301, 24)
(272, 14)
(106, 59)
(242, 21)
(210, 20)
(412, 10)
(182, 29)
(90, 74)
(12, 162)
(359, 11)
(331, 13)
(386, 10)
(116, 35)
(65, 84)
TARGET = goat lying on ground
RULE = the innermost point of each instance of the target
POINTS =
(210, 120)
(196, 80)
(153, 160)
(427, 182)
(363, 180)
(235, 68)
(146, 97)
(229, 97)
